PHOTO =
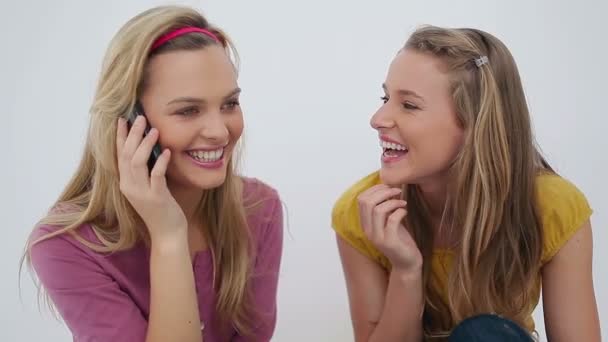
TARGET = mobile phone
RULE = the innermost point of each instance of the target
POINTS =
(156, 150)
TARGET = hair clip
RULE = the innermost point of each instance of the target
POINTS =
(481, 61)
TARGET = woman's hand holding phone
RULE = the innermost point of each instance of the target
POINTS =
(147, 190)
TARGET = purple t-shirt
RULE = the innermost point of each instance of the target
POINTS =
(106, 297)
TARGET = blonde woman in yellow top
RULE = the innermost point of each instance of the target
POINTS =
(454, 235)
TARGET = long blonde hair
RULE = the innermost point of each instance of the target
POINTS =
(491, 203)
(93, 197)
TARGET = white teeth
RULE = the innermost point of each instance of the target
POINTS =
(207, 156)
(392, 146)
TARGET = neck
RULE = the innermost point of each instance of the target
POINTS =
(188, 199)
(435, 196)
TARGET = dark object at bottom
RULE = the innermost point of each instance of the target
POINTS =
(489, 328)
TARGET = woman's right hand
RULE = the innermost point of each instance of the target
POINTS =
(381, 215)
(147, 191)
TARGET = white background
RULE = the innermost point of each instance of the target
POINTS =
(311, 75)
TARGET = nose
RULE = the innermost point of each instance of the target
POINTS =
(382, 119)
(213, 128)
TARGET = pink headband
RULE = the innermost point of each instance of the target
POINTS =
(181, 31)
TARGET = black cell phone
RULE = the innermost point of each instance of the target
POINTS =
(156, 150)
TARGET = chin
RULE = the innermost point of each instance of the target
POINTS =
(206, 180)
(200, 181)
(188, 176)
(394, 177)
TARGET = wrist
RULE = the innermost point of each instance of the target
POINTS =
(170, 242)
(409, 273)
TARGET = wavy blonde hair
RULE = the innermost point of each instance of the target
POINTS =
(93, 197)
(491, 202)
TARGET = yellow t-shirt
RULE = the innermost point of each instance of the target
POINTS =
(563, 210)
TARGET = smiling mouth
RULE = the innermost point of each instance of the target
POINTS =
(390, 149)
(207, 156)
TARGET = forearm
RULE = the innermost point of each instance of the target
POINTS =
(401, 318)
(174, 314)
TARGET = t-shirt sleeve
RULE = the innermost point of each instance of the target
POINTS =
(347, 225)
(90, 302)
(564, 209)
(265, 277)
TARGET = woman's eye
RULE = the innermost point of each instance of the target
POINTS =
(410, 106)
(231, 105)
(188, 111)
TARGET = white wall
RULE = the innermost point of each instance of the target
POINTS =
(311, 75)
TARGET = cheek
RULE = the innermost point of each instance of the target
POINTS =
(449, 142)
(175, 137)
(439, 141)
(235, 125)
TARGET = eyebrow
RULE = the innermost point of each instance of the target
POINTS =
(405, 92)
(190, 99)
